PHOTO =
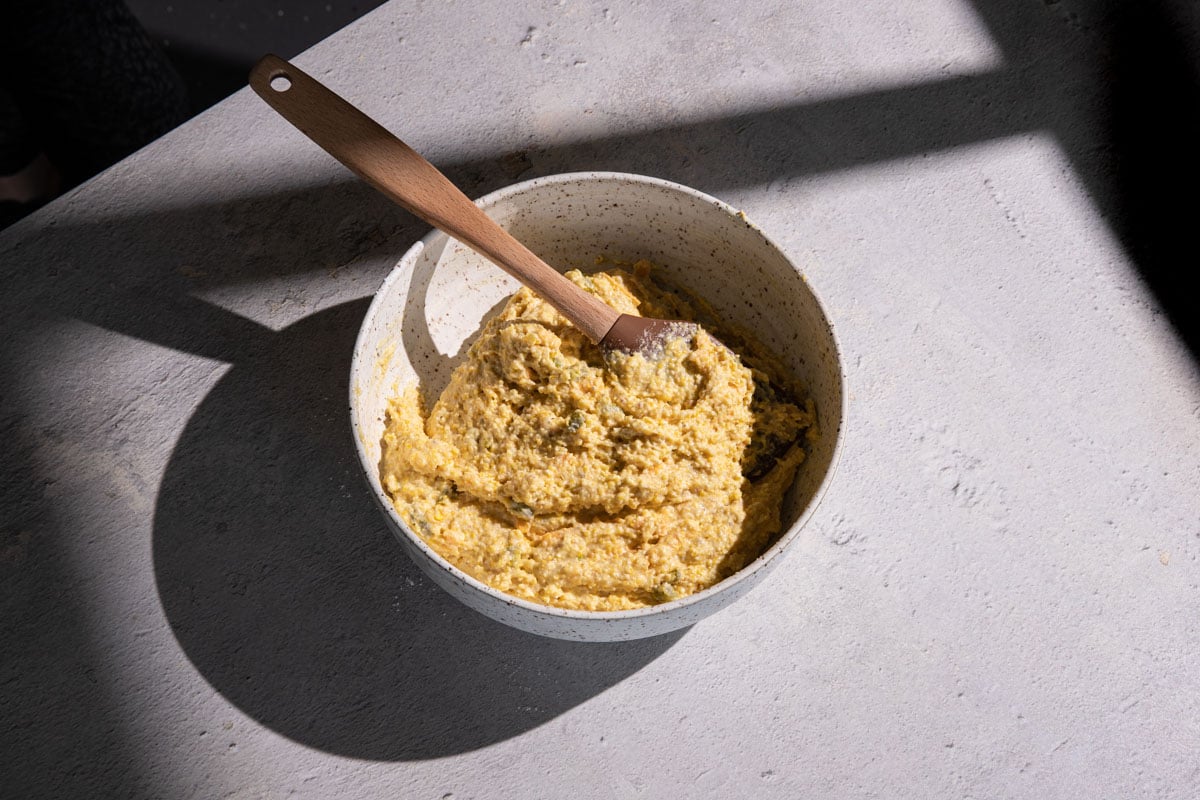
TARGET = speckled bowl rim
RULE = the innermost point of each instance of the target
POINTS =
(769, 555)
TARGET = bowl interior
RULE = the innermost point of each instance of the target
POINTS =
(434, 302)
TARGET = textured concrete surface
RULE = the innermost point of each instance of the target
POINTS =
(998, 597)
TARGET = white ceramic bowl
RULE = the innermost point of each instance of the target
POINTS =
(438, 296)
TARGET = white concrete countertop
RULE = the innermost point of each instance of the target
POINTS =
(998, 597)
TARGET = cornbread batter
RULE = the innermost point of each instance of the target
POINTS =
(567, 476)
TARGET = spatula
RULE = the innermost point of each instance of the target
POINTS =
(394, 168)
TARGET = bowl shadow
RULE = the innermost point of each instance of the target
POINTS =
(287, 593)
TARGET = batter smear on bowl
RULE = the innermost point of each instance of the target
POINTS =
(568, 476)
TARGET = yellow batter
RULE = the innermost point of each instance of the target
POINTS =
(566, 476)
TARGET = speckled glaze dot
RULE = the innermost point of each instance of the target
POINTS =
(428, 310)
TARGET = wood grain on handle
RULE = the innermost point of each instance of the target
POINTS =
(395, 169)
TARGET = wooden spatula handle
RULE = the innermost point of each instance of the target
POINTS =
(395, 169)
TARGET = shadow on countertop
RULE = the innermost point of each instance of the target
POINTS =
(274, 569)
(213, 45)
(291, 598)
(1152, 124)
